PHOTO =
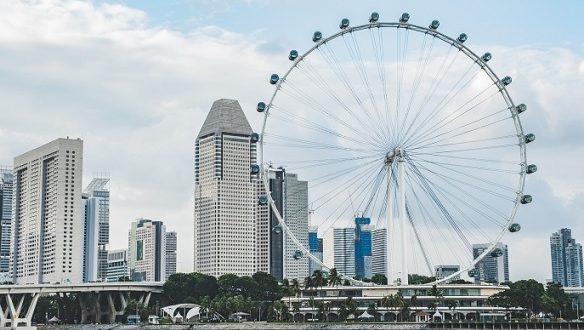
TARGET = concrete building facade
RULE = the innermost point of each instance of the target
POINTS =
(117, 265)
(47, 234)
(171, 248)
(6, 180)
(225, 222)
(146, 251)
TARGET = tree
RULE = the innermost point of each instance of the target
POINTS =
(452, 304)
(178, 287)
(334, 277)
(267, 285)
(420, 279)
(46, 308)
(228, 285)
(351, 306)
(317, 279)
(379, 279)
(555, 300)
(135, 307)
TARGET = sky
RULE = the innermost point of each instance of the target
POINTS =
(135, 79)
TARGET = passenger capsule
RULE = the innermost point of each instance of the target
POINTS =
(473, 273)
(496, 253)
(462, 38)
(255, 137)
(526, 199)
(521, 108)
(293, 55)
(261, 107)
(374, 17)
(263, 200)
(274, 79)
(515, 227)
(529, 138)
(344, 23)
(434, 25)
(297, 254)
(531, 168)
(277, 229)
(507, 81)
(255, 169)
(405, 17)
(486, 57)
(316, 36)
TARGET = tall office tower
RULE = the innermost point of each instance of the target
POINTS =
(339, 250)
(170, 253)
(146, 251)
(96, 201)
(5, 219)
(362, 247)
(491, 268)
(442, 271)
(47, 234)
(315, 247)
(296, 218)
(290, 196)
(379, 251)
(566, 253)
(117, 265)
(225, 193)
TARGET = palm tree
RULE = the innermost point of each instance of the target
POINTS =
(351, 306)
(452, 305)
(307, 283)
(295, 287)
(334, 278)
(317, 278)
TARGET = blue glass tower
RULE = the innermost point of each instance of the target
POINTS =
(362, 247)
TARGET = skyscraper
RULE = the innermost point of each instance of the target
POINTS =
(379, 251)
(491, 268)
(225, 225)
(47, 234)
(296, 218)
(117, 265)
(362, 247)
(96, 230)
(170, 253)
(339, 250)
(290, 197)
(5, 219)
(566, 253)
(315, 247)
(146, 251)
(442, 271)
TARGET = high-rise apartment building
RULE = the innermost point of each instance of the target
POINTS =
(47, 234)
(170, 253)
(117, 265)
(379, 251)
(5, 219)
(225, 226)
(96, 201)
(566, 253)
(339, 250)
(491, 268)
(146, 251)
(315, 248)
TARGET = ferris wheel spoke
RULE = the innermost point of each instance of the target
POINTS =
(287, 118)
(331, 59)
(427, 186)
(313, 73)
(401, 64)
(359, 168)
(457, 113)
(355, 53)
(447, 133)
(436, 83)
(474, 159)
(378, 47)
(445, 101)
(420, 69)
(417, 237)
(467, 194)
(433, 145)
(449, 167)
(433, 229)
(309, 144)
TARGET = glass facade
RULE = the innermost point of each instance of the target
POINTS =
(362, 247)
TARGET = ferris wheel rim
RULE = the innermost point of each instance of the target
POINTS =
(448, 40)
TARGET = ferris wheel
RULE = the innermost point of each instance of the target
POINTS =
(408, 127)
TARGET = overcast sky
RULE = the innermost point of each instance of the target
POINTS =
(135, 79)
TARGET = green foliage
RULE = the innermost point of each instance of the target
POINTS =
(46, 308)
(379, 279)
(135, 307)
(183, 288)
(420, 279)
(334, 278)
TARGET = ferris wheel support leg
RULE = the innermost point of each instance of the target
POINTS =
(389, 233)
(403, 219)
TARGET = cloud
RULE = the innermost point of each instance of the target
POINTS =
(137, 94)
